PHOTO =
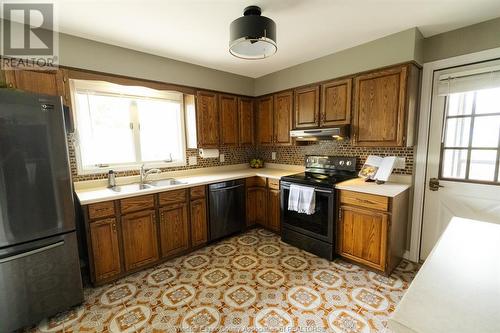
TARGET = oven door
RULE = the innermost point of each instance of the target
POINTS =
(319, 225)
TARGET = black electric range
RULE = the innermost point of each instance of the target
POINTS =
(315, 232)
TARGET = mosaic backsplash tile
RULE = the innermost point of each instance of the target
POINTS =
(295, 155)
(292, 155)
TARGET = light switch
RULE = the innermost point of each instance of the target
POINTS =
(273, 155)
(193, 160)
(221, 158)
(400, 163)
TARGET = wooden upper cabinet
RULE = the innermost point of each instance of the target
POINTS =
(384, 106)
(283, 117)
(228, 120)
(207, 119)
(336, 103)
(306, 107)
(246, 121)
(265, 120)
(174, 229)
(140, 246)
(105, 249)
(39, 82)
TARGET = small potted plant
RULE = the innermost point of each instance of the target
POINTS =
(257, 163)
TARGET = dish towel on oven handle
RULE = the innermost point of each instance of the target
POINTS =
(302, 199)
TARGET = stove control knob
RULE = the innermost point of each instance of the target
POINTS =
(348, 163)
(341, 162)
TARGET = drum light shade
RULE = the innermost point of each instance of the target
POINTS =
(252, 36)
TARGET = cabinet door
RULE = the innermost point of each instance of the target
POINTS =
(105, 249)
(265, 121)
(228, 118)
(306, 107)
(274, 210)
(336, 103)
(379, 108)
(283, 118)
(251, 206)
(363, 236)
(261, 206)
(39, 82)
(174, 229)
(199, 222)
(207, 119)
(246, 121)
(140, 244)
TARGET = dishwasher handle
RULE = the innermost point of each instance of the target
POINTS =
(226, 188)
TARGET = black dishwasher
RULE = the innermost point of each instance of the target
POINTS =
(226, 208)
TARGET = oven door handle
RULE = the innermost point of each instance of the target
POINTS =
(286, 186)
(323, 191)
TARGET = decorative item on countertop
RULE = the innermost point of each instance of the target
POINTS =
(377, 168)
(257, 163)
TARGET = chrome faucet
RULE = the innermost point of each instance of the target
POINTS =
(145, 173)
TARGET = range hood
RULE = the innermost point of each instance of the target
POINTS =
(331, 133)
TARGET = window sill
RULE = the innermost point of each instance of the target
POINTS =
(130, 167)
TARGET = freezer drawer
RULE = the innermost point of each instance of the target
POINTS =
(38, 280)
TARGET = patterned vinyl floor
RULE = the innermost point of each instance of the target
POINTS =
(249, 283)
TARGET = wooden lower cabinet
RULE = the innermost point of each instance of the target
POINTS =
(371, 229)
(174, 230)
(273, 216)
(139, 232)
(256, 206)
(199, 228)
(363, 236)
(105, 249)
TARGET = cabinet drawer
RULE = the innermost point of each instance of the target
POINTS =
(256, 182)
(364, 200)
(137, 203)
(273, 183)
(101, 209)
(172, 197)
(197, 192)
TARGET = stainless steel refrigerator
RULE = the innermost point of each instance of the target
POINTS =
(39, 264)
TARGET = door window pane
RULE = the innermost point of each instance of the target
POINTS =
(482, 165)
(460, 104)
(457, 132)
(488, 101)
(454, 163)
(486, 131)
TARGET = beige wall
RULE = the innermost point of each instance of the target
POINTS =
(392, 49)
(474, 38)
(87, 54)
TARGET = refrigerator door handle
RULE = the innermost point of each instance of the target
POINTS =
(29, 253)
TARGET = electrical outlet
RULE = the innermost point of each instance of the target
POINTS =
(273, 155)
(400, 163)
(193, 160)
(221, 158)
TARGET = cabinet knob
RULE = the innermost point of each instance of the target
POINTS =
(114, 227)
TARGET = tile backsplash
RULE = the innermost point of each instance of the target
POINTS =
(292, 155)
(295, 155)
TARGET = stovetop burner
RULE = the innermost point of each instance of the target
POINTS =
(325, 171)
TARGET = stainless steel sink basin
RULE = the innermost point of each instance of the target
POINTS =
(135, 187)
(131, 187)
(167, 182)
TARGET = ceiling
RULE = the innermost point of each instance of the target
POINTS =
(197, 31)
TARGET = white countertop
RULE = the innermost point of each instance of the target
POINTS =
(458, 287)
(388, 189)
(95, 191)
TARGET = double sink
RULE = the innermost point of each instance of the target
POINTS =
(134, 187)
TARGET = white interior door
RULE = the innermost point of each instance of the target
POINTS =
(463, 150)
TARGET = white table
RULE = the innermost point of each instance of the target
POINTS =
(458, 287)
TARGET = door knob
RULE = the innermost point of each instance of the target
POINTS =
(434, 184)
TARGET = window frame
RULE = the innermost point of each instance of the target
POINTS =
(113, 89)
(469, 148)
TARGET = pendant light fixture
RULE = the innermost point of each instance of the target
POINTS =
(252, 36)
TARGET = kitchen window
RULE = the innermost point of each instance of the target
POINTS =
(121, 127)
(471, 139)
